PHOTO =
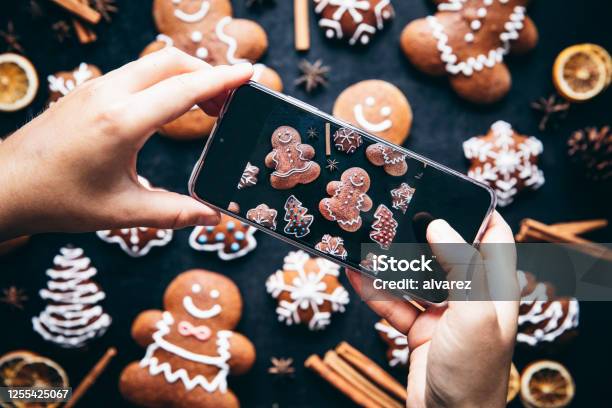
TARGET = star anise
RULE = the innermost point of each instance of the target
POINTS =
(259, 3)
(35, 9)
(550, 108)
(332, 164)
(105, 8)
(281, 367)
(312, 133)
(14, 297)
(62, 30)
(313, 75)
(11, 38)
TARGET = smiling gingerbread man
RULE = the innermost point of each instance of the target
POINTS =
(349, 199)
(191, 348)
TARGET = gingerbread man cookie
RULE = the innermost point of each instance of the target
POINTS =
(307, 290)
(355, 21)
(377, 107)
(468, 40)
(505, 160)
(291, 160)
(138, 241)
(191, 348)
(392, 160)
(349, 199)
(64, 82)
(206, 29)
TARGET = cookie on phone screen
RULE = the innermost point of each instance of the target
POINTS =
(348, 199)
(392, 160)
(291, 160)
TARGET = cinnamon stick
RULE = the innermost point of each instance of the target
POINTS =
(83, 11)
(359, 381)
(580, 227)
(302, 27)
(84, 34)
(371, 370)
(91, 377)
(327, 139)
(324, 371)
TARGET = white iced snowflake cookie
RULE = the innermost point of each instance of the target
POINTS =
(354, 21)
(138, 241)
(505, 160)
(398, 351)
(307, 290)
(543, 317)
(73, 315)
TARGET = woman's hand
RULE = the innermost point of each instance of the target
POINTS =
(73, 168)
(460, 354)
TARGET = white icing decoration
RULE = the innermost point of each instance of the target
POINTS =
(231, 43)
(543, 309)
(334, 249)
(192, 17)
(202, 53)
(382, 126)
(80, 75)
(214, 294)
(168, 42)
(198, 313)
(481, 61)
(307, 290)
(196, 36)
(294, 170)
(510, 161)
(196, 288)
(72, 317)
(249, 176)
(358, 206)
(219, 381)
(399, 353)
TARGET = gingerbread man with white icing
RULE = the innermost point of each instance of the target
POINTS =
(291, 160)
(349, 199)
(205, 29)
(191, 348)
(468, 41)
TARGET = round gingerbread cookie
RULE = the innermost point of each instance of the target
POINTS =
(377, 107)
(191, 346)
(64, 82)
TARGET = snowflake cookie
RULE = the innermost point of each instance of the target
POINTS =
(355, 21)
(64, 82)
(307, 290)
(347, 140)
(138, 241)
(505, 160)
(333, 246)
(231, 238)
(398, 351)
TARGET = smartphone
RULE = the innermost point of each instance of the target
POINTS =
(314, 181)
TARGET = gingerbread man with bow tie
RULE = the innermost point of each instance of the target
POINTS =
(191, 348)
(206, 29)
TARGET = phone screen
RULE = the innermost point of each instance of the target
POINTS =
(306, 177)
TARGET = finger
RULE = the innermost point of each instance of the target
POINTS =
(460, 260)
(396, 312)
(499, 254)
(213, 106)
(417, 375)
(170, 98)
(153, 68)
(164, 209)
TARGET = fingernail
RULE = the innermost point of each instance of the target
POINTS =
(438, 230)
(243, 66)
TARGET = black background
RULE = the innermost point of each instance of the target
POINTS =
(442, 122)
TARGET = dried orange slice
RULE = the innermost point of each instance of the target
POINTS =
(18, 82)
(582, 72)
(26, 369)
(546, 384)
(514, 383)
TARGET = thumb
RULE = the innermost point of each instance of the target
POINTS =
(165, 209)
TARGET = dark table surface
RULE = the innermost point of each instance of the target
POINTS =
(442, 122)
